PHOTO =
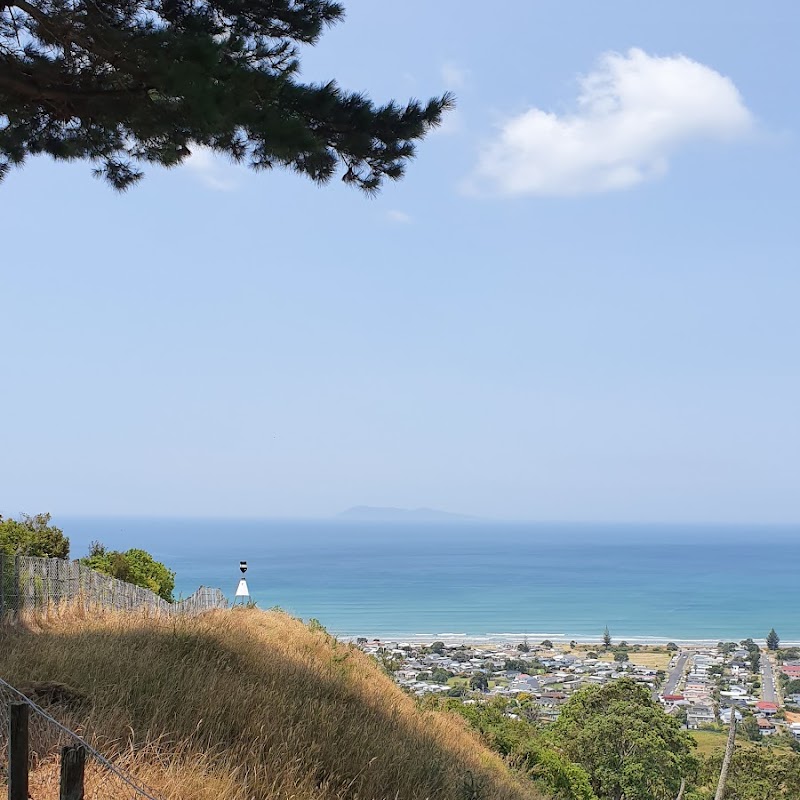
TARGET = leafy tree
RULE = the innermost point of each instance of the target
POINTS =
(773, 640)
(792, 687)
(32, 536)
(591, 654)
(625, 742)
(521, 742)
(726, 648)
(133, 566)
(480, 682)
(548, 645)
(749, 728)
(756, 773)
(755, 660)
(440, 675)
(754, 654)
(523, 646)
(606, 638)
(124, 83)
(437, 647)
(621, 656)
(672, 647)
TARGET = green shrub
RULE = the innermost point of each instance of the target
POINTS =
(133, 566)
(32, 536)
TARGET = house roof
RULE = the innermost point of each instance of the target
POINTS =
(763, 705)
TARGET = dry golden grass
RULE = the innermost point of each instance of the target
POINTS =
(248, 705)
(643, 658)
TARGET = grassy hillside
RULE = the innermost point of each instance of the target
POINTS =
(247, 704)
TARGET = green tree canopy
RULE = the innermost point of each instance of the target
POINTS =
(522, 665)
(606, 638)
(32, 536)
(124, 83)
(480, 681)
(749, 728)
(756, 773)
(773, 640)
(133, 566)
(792, 687)
(521, 742)
(621, 656)
(626, 743)
(441, 675)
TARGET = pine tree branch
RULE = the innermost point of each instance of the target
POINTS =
(11, 80)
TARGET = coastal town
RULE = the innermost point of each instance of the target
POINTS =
(702, 686)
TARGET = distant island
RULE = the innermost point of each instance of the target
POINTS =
(387, 514)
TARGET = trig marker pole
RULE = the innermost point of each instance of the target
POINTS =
(242, 592)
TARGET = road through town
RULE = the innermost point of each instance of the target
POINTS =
(675, 674)
(767, 680)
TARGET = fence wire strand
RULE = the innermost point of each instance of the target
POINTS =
(38, 585)
(104, 780)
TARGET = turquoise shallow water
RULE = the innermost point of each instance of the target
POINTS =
(488, 579)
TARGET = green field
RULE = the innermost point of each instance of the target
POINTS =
(709, 742)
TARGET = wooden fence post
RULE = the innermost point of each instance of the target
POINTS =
(18, 751)
(73, 760)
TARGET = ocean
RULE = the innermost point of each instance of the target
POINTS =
(483, 580)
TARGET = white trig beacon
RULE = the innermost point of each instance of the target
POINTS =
(241, 590)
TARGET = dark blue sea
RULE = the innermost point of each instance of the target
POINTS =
(482, 579)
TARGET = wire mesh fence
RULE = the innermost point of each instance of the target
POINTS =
(30, 584)
(47, 737)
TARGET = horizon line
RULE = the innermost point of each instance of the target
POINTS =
(458, 518)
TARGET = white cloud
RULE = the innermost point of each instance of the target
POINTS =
(211, 170)
(399, 217)
(632, 113)
(454, 76)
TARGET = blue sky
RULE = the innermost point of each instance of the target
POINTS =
(580, 304)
